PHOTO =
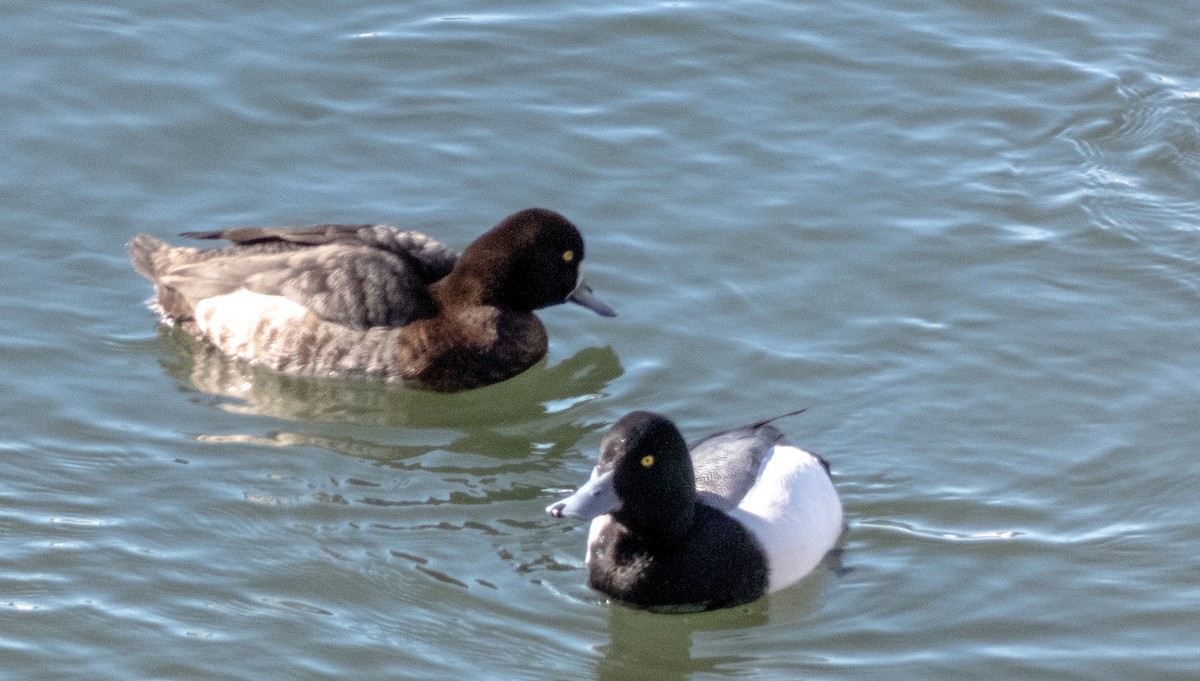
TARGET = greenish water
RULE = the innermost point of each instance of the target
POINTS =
(966, 235)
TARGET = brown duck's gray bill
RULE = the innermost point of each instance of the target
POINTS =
(582, 295)
(595, 498)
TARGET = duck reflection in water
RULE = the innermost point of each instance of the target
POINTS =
(243, 387)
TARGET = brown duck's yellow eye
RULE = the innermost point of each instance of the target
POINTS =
(568, 256)
(647, 461)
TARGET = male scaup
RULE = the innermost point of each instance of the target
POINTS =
(745, 514)
(373, 299)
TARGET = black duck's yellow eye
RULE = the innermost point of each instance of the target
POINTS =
(648, 461)
(568, 256)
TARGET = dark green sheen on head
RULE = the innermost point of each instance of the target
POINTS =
(528, 261)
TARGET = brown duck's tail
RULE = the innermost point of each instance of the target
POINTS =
(154, 260)
(146, 253)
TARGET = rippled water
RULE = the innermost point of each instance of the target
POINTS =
(966, 235)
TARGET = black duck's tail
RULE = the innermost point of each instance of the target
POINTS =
(760, 424)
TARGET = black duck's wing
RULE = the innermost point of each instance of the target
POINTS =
(727, 464)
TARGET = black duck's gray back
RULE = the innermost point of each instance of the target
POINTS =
(727, 464)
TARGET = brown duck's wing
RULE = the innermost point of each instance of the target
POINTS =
(352, 285)
(431, 259)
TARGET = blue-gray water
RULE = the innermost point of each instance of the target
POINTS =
(965, 234)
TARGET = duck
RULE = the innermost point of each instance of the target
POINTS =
(371, 299)
(738, 515)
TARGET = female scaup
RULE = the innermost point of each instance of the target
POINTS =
(373, 299)
(745, 514)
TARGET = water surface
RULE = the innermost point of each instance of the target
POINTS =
(965, 234)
